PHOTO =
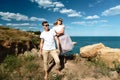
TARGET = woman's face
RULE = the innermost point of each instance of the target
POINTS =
(59, 22)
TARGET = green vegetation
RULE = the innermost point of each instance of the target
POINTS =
(21, 68)
(100, 66)
(35, 32)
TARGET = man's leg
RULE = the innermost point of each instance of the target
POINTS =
(55, 55)
(45, 60)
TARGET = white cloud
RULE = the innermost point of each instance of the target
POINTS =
(58, 4)
(8, 16)
(85, 23)
(0, 24)
(33, 28)
(104, 21)
(70, 12)
(20, 24)
(89, 23)
(92, 17)
(18, 17)
(36, 19)
(112, 11)
(48, 3)
(44, 3)
(57, 7)
(96, 3)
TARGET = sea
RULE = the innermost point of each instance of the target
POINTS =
(112, 42)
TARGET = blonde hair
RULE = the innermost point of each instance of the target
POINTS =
(55, 23)
(60, 19)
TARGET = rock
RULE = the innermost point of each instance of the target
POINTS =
(90, 50)
(113, 75)
(110, 56)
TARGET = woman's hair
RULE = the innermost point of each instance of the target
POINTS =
(60, 19)
(55, 23)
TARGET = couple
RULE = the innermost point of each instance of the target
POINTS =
(47, 44)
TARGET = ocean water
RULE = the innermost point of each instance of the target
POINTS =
(113, 42)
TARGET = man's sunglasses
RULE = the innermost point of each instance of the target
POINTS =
(46, 25)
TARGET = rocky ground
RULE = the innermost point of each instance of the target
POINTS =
(29, 66)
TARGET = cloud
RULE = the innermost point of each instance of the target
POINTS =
(57, 7)
(0, 24)
(70, 12)
(20, 24)
(18, 17)
(36, 19)
(58, 4)
(8, 16)
(112, 11)
(96, 3)
(44, 3)
(48, 4)
(89, 23)
(92, 17)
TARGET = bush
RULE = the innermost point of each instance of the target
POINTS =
(11, 63)
(31, 66)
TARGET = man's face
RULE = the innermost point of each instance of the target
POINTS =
(46, 26)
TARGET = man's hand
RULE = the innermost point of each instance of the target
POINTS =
(58, 51)
(40, 53)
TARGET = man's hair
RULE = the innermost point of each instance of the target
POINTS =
(44, 22)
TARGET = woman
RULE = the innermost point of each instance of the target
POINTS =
(65, 41)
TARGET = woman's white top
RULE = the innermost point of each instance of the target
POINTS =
(58, 28)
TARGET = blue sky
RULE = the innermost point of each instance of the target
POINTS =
(81, 17)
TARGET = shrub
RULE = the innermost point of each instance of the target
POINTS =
(11, 63)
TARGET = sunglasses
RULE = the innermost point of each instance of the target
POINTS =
(46, 25)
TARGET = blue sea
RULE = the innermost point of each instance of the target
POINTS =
(113, 42)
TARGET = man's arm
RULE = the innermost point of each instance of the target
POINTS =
(41, 46)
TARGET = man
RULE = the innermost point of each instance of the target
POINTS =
(47, 46)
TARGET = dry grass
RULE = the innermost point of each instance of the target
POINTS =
(30, 67)
(14, 34)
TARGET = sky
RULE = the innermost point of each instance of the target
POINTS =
(80, 17)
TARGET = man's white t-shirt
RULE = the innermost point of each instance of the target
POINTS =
(49, 41)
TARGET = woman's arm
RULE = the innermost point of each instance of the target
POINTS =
(58, 42)
(61, 32)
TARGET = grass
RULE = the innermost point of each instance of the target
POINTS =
(101, 67)
(21, 68)
(14, 34)
(12, 63)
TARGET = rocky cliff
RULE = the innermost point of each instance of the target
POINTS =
(14, 41)
(110, 56)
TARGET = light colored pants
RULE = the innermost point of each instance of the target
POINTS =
(55, 56)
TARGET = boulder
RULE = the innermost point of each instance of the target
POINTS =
(91, 50)
(110, 56)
